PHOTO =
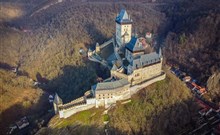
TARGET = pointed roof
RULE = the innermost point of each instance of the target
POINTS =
(97, 44)
(90, 50)
(57, 100)
(123, 17)
(114, 67)
(134, 45)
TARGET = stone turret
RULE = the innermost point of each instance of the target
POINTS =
(97, 48)
(90, 52)
(56, 102)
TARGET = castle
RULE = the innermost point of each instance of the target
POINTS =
(133, 65)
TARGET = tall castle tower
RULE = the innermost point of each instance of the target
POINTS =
(123, 28)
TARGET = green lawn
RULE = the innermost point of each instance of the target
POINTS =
(87, 117)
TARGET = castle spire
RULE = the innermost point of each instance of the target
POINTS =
(123, 27)
(57, 100)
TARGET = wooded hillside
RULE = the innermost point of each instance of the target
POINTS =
(43, 39)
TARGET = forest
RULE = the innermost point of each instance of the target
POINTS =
(43, 38)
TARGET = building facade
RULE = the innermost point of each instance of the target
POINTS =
(110, 91)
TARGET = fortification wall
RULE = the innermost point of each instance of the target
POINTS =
(136, 88)
(145, 73)
(76, 101)
(90, 101)
(119, 75)
(106, 43)
(68, 112)
(121, 94)
(107, 98)
(87, 93)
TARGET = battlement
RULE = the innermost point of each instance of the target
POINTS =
(71, 105)
(65, 113)
(88, 94)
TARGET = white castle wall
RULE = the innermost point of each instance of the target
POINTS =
(90, 101)
(106, 102)
(68, 112)
(78, 100)
(94, 102)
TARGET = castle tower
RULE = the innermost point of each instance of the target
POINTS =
(123, 28)
(97, 48)
(90, 53)
(56, 102)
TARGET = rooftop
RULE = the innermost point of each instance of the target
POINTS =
(123, 17)
(146, 59)
(110, 84)
(57, 99)
(135, 45)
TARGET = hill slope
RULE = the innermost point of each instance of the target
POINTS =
(45, 44)
(165, 107)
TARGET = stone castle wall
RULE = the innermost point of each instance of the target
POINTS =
(140, 75)
(108, 97)
(119, 75)
(145, 73)
(68, 112)
(103, 100)
(134, 89)
(80, 99)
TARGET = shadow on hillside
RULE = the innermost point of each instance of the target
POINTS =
(40, 78)
(8, 67)
(5, 66)
(37, 115)
(72, 82)
(95, 34)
